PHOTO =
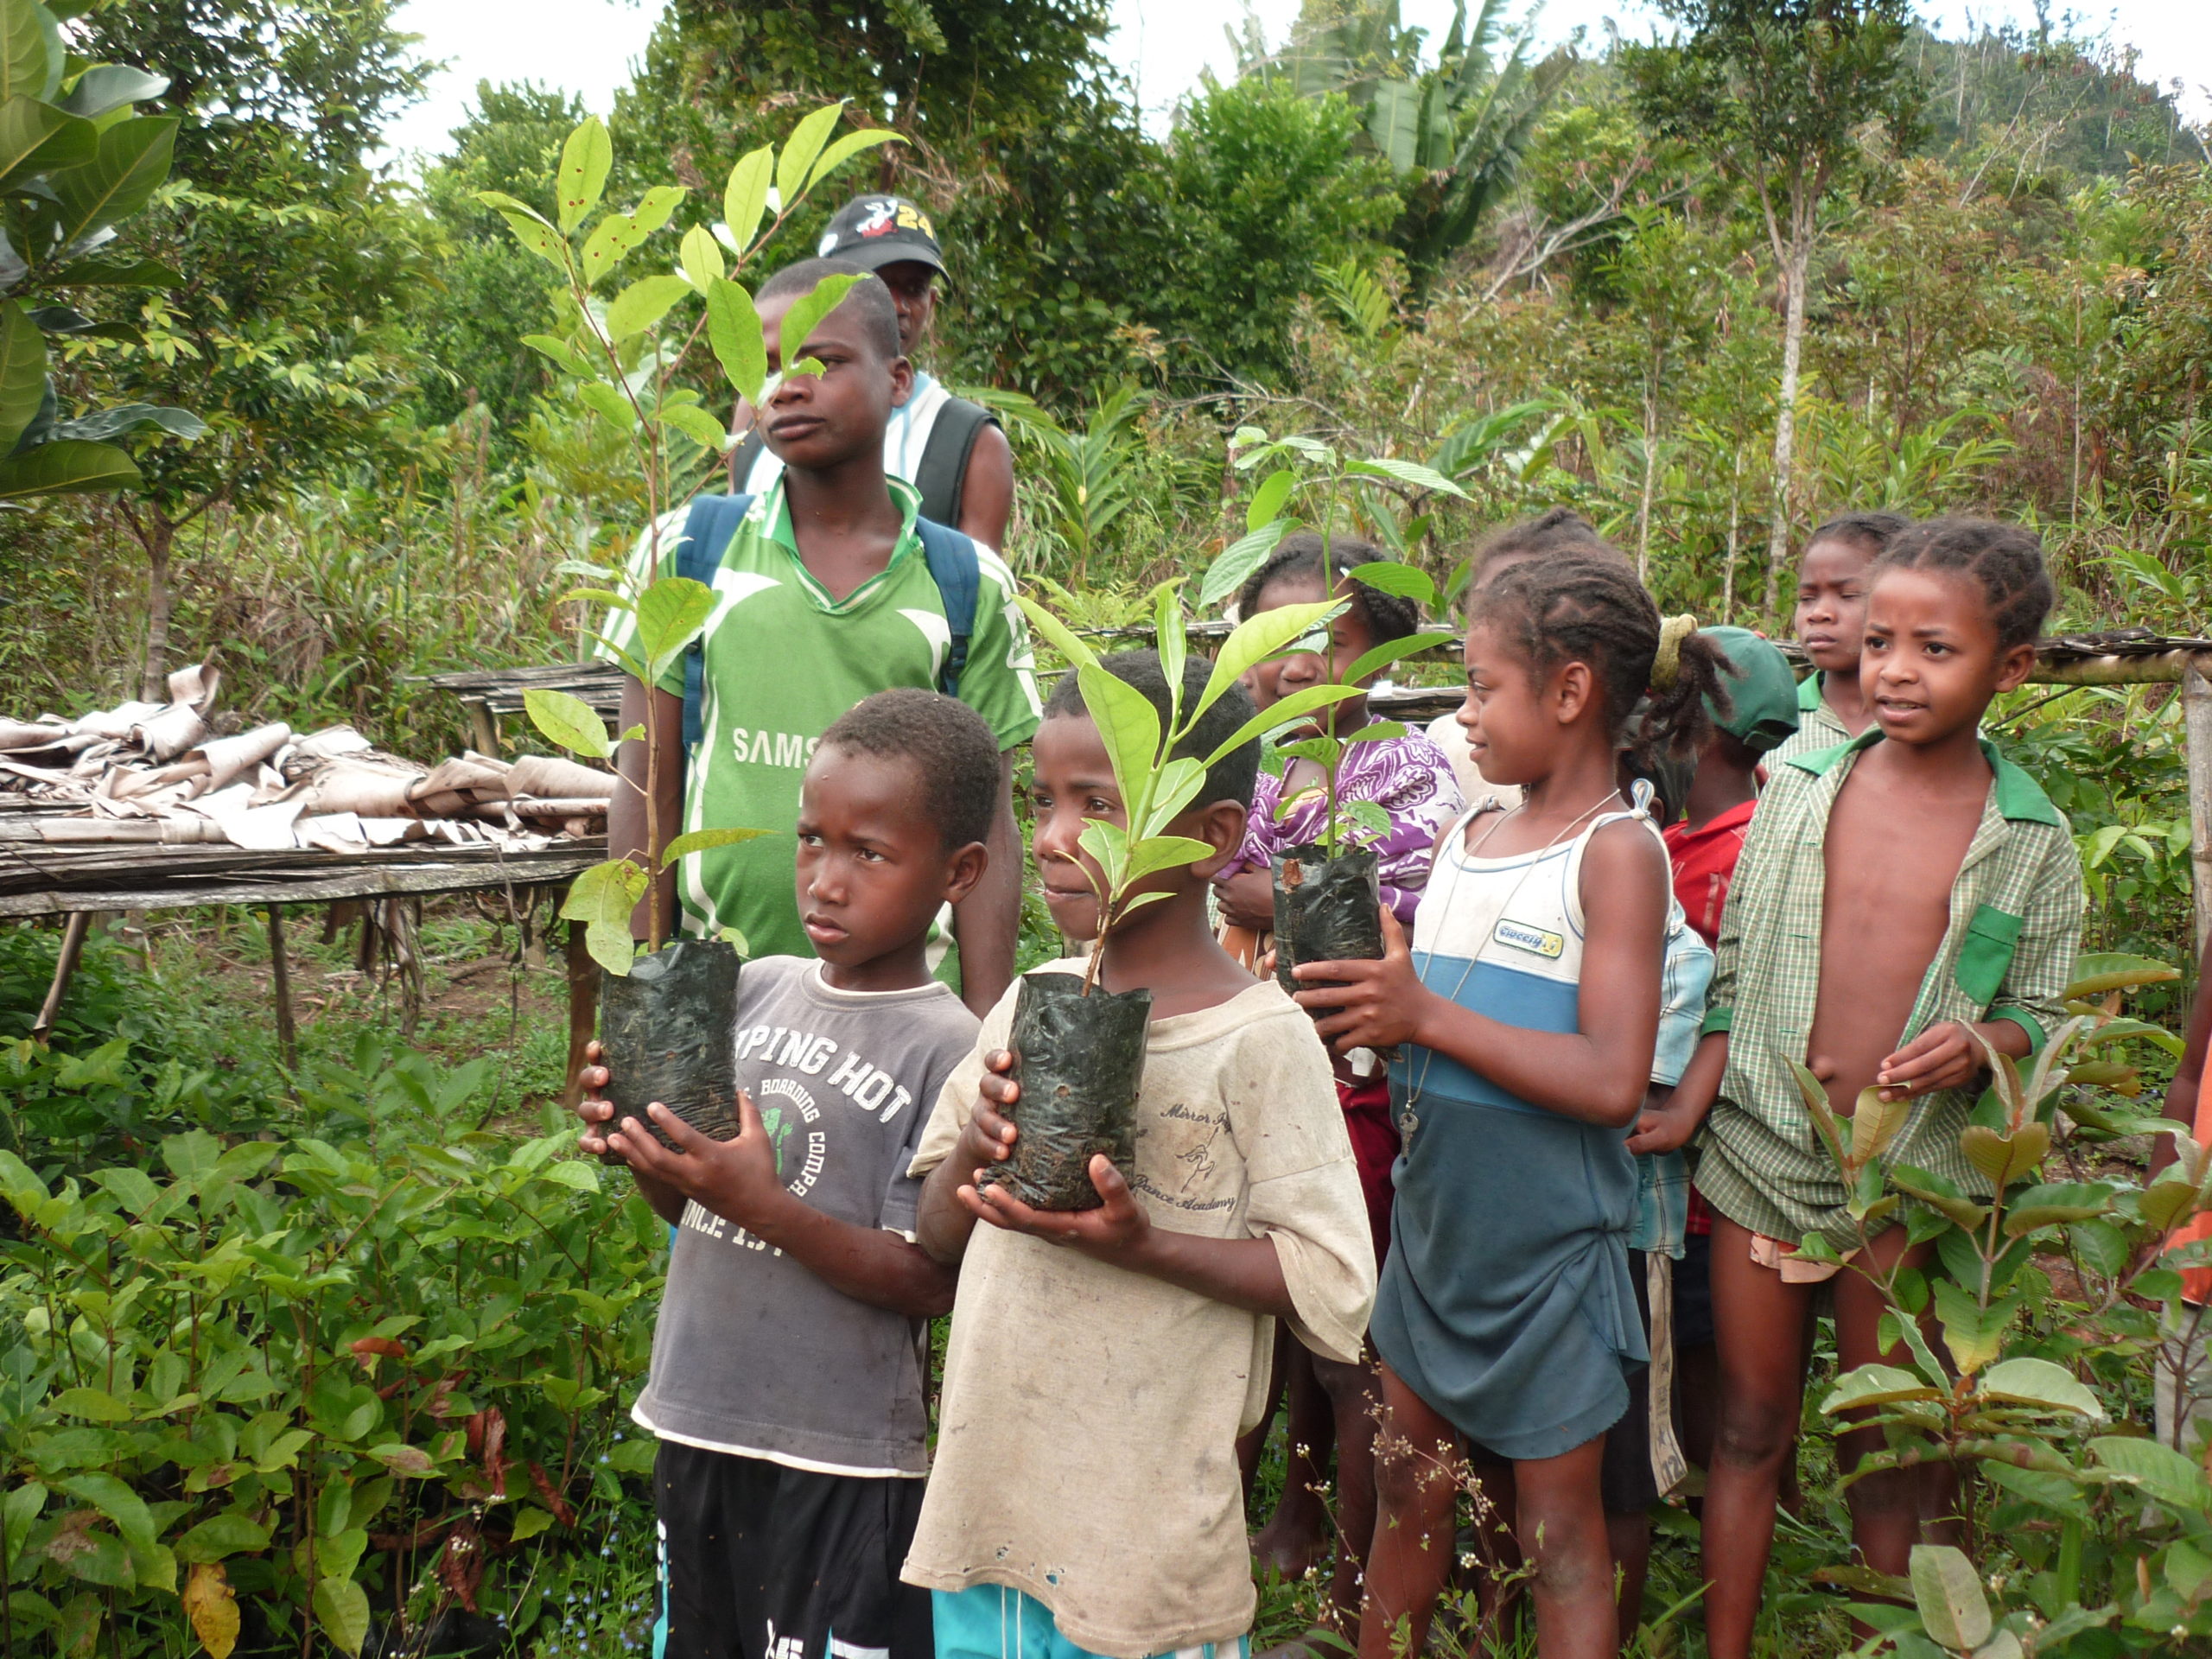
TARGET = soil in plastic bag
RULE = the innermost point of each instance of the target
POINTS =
(1080, 1062)
(1326, 910)
(669, 1029)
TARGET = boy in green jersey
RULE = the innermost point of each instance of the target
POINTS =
(823, 596)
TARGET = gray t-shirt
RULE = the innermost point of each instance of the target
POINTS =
(752, 1354)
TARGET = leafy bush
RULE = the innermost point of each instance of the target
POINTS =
(255, 1388)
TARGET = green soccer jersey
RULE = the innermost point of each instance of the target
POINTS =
(782, 661)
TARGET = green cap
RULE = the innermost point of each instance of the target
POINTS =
(1762, 691)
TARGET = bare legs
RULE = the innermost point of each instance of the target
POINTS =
(1761, 1323)
(1558, 1516)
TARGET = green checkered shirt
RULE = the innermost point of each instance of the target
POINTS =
(2016, 918)
(1817, 726)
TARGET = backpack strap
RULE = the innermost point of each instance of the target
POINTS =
(942, 478)
(707, 531)
(958, 572)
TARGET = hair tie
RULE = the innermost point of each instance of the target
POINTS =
(1667, 665)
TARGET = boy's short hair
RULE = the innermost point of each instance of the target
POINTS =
(2004, 560)
(948, 744)
(869, 299)
(1870, 532)
(1230, 779)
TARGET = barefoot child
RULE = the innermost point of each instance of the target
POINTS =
(1410, 778)
(787, 1384)
(1506, 1319)
(1902, 899)
(1101, 1363)
(1830, 622)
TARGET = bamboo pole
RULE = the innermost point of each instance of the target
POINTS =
(583, 1012)
(2196, 741)
(65, 969)
(280, 972)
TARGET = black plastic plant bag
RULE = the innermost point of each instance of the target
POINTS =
(670, 1030)
(1326, 910)
(1080, 1062)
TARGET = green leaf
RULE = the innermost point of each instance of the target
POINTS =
(1298, 704)
(700, 259)
(539, 239)
(734, 332)
(1162, 853)
(106, 87)
(228, 1534)
(1257, 638)
(745, 197)
(695, 423)
(22, 372)
(619, 235)
(586, 160)
(1128, 725)
(17, 1510)
(1874, 1125)
(401, 1460)
(1402, 579)
(1239, 560)
(1393, 650)
(1108, 847)
(35, 136)
(133, 160)
(128, 273)
(643, 304)
(1382, 731)
(560, 351)
(2097, 972)
(102, 425)
(1177, 786)
(1171, 638)
(1939, 1195)
(700, 841)
(2004, 1159)
(119, 1504)
(801, 149)
(2170, 1477)
(1876, 1385)
(26, 53)
(609, 404)
(1267, 500)
(1056, 633)
(1954, 1608)
(670, 612)
(529, 1522)
(567, 721)
(2055, 1205)
(806, 312)
(1406, 472)
(849, 146)
(1974, 1334)
(602, 898)
(94, 1405)
(342, 1607)
(2031, 1382)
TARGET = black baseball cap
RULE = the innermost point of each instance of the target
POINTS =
(873, 232)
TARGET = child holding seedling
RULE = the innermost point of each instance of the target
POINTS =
(1830, 621)
(787, 1387)
(1506, 1319)
(825, 594)
(1905, 903)
(1102, 1363)
(1391, 795)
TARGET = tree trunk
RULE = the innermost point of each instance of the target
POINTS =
(158, 533)
(1651, 473)
(1785, 418)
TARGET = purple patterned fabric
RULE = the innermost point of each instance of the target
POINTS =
(1409, 777)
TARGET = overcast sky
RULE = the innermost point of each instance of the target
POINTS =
(590, 46)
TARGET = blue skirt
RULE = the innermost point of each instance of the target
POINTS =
(1507, 1302)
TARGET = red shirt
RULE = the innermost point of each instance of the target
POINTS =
(1704, 860)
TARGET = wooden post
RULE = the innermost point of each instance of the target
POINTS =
(288, 1036)
(2196, 729)
(483, 727)
(583, 1011)
(65, 969)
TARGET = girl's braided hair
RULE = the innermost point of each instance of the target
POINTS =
(2003, 559)
(1588, 607)
(1389, 617)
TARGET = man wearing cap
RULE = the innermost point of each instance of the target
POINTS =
(950, 449)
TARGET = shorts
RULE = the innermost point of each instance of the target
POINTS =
(1625, 1482)
(759, 1559)
(1366, 1102)
(1694, 1294)
(994, 1621)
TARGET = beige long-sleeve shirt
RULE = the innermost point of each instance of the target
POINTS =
(1087, 1439)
